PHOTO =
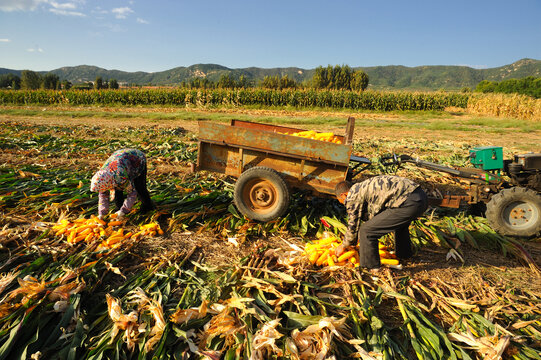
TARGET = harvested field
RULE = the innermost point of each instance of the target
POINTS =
(217, 286)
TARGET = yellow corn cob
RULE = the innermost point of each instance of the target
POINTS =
(330, 260)
(314, 256)
(322, 257)
(79, 238)
(346, 255)
(389, 261)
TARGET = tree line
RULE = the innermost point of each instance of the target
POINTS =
(526, 86)
(339, 77)
(31, 80)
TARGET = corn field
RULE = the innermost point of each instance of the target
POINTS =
(367, 100)
(516, 106)
(171, 295)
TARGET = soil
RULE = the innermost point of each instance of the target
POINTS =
(479, 266)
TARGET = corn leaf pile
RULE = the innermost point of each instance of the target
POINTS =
(69, 291)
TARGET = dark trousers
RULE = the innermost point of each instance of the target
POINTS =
(140, 185)
(397, 220)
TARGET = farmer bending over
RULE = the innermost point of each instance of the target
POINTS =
(385, 203)
(125, 169)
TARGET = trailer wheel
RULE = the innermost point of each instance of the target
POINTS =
(261, 194)
(515, 212)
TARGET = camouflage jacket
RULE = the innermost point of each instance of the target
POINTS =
(370, 197)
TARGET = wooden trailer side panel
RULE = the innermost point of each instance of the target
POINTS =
(298, 172)
(274, 143)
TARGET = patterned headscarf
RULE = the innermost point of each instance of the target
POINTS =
(102, 181)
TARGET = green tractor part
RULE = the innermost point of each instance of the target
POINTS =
(510, 189)
(487, 157)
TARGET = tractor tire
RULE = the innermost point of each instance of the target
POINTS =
(515, 212)
(261, 194)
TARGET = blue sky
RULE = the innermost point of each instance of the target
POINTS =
(157, 35)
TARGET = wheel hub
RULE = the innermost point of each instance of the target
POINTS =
(520, 214)
(261, 195)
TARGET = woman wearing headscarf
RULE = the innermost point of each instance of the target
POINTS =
(124, 170)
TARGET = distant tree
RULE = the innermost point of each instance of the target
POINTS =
(113, 84)
(486, 86)
(98, 83)
(465, 90)
(270, 82)
(243, 82)
(200, 83)
(321, 78)
(66, 85)
(536, 88)
(30, 80)
(10, 81)
(226, 82)
(343, 77)
(50, 81)
(83, 86)
(287, 83)
(339, 77)
(359, 82)
(275, 82)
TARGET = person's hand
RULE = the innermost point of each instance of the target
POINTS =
(120, 215)
(340, 250)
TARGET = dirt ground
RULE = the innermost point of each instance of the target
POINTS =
(401, 126)
(430, 263)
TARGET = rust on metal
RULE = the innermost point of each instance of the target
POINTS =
(349, 131)
(308, 164)
(451, 201)
(260, 195)
(274, 142)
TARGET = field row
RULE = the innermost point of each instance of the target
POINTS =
(367, 100)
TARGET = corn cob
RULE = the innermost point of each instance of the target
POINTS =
(90, 230)
(321, 253)
(310, 134)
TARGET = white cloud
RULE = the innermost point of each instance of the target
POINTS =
(20, 5)
(122, 13)
(99, 10)
(5, 40)
(36, 49)
(142, 21)
(66, 8)
(66, 13)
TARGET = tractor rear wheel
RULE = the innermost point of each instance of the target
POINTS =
(261, 194)
(515, 211)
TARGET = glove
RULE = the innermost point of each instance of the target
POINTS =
(120, 215)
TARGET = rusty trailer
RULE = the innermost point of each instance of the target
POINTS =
(268, 162)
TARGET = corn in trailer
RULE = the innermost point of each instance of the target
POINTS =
(268, 162)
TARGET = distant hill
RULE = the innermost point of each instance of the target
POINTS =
(432, 77)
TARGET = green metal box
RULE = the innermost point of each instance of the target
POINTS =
(487, 157)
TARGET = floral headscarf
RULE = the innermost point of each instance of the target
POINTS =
(102, 181)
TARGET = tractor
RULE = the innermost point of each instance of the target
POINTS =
(509, 188)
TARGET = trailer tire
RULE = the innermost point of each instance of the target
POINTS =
(515, 212)
(261, 194)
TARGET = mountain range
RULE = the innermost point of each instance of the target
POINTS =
(430, 77)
